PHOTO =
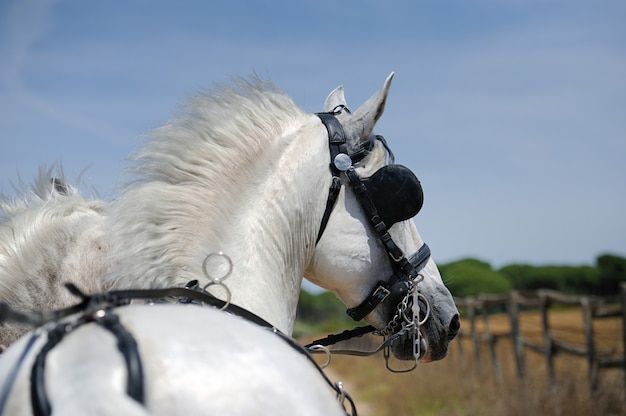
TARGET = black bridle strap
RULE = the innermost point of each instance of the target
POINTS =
(337, 145)
(333, 193)
(396, 288)
(372, 213)
(395, 252)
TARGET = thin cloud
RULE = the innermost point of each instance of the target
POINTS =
(508, 111)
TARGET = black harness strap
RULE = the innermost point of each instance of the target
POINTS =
(36, 319)
(332, 339)
(38, 397)
(126, 344)
(305, 351)
(128, 347)
(204, 297)
(97, 308)
(189, 296)
(119, 298)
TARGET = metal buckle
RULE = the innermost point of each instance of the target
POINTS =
(381, 293)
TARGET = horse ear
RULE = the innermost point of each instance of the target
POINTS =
(365, 117)
(334, 99)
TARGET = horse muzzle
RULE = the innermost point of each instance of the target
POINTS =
(435, 335)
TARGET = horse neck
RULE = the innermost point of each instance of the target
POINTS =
(266, 222)
(271, 236)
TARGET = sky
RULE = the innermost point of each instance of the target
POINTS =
(512, 113)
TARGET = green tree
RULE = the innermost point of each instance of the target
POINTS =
(469, 277)
(612, 272)
(320, 307)
(567, 279)
(517, 274)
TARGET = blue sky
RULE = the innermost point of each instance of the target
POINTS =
(512, 113)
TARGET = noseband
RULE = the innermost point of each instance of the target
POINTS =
(406, 270)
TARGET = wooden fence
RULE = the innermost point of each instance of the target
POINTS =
(593, 308)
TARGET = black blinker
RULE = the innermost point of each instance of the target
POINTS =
(396, 193)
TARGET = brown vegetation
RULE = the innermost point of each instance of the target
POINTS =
(458, 386)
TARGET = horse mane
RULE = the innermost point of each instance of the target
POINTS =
(214, 130)
(188, 174)
(50, 183)
(40, 226)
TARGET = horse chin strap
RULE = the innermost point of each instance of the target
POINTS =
(397, 288)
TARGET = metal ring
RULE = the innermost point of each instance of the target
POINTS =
(228, 293)
(315, 348)
(219, 279)
(427, 313)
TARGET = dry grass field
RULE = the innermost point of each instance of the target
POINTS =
(457, 386)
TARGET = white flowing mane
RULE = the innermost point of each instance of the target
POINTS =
(187, 180)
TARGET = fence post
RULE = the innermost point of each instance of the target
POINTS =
(591, 307)
(471, 306)
(547, 339)
(587, 307)
(516, 339)
(491, 340)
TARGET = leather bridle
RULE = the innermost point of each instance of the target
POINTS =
(406, 270)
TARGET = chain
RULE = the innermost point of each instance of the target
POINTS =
(407, 321)
(400, 316)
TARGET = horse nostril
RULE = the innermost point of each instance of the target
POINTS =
(455, 325)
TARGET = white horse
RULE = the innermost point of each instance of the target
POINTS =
(245, 172)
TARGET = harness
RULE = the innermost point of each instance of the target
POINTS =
(99, 309)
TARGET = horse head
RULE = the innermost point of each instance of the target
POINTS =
(369, 252)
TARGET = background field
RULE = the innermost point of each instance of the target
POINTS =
(456, 385)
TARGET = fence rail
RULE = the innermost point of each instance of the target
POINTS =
(593, 308)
